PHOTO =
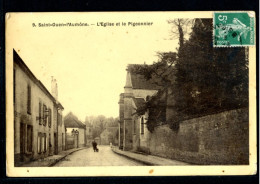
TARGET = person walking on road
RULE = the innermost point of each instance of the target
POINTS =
(94, 144)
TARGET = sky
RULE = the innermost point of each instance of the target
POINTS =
(88, 62)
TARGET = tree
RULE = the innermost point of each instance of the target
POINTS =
(209, 79)
(160, 73)
(202, 79)
(180, 29)
(100, 123)
(111, 122)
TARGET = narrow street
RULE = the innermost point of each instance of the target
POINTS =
(87, 157)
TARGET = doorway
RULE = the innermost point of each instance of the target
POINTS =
(55, 144)
(22, 141)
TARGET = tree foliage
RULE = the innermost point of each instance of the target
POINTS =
(100, 123)
(155, 106)
(180, 29)
(203, 79)
(160, 72)
(209, 79)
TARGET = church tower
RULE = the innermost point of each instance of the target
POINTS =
(128, 110)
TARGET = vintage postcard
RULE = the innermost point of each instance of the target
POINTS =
(131, 94)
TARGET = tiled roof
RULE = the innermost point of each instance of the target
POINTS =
(139, 82)
(71, 121)
(138, 102)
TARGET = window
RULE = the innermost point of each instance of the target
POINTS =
(45, 142)
(29, 99)
(26, 138)
(42, 143)
(142, 125)
(50, 140)
(39, 143)
(22, 137)
(49, 118)
(40, 113)
(29, 138)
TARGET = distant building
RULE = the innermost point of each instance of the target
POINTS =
(38, 126)
(132, 128)
(74, 128)
(109, 135)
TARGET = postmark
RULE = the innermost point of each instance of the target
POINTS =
(233, 29)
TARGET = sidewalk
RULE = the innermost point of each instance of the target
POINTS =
(51, 160)
(148, 159)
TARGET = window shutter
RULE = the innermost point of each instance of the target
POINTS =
(44, 115)
(40, 113)
(50, 117)
(39, 143)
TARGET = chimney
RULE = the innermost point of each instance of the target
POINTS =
(54, 88)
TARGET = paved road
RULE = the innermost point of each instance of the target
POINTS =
(87, 157)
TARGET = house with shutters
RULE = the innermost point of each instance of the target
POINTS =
(38, 124)
(133, 132)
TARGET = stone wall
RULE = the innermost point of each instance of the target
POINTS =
(70, 142)
(128, 111)
(81, 138)
(214, 139)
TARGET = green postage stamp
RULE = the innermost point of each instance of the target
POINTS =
(233, 29)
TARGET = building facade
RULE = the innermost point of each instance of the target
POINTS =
(133, 132)
(75, 131)
(219, 138)
(38, 125)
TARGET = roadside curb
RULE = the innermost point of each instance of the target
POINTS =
(134, 158)
(151, 160)
(58, 159)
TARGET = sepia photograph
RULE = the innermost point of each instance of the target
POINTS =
(131, 93)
